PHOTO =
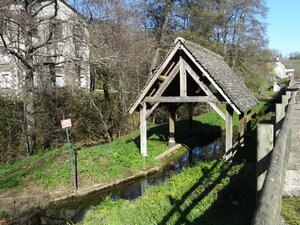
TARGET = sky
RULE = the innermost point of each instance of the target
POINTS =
(283, 22)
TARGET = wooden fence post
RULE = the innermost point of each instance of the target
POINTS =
(265, 142)
(279, 115)
(284, 100)
(143, 130)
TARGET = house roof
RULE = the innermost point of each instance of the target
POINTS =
(73, 9)
(232, 85)
(213, 66)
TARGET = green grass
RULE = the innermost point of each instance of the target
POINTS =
(291, 210)
(293, 64)
(205, 194)
(51, 170)
(212, 193)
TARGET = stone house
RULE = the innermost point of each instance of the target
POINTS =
(63, 63)
(282, 72)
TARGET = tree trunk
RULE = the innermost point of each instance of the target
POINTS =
(29, 111)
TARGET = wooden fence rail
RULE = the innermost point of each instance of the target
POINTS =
(271, 165)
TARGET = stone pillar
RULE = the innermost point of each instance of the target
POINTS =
(265, 141)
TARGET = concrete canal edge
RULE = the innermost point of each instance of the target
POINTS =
(26, 204)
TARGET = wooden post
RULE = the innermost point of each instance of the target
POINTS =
(183, 83)
(289, 94)
(190, 108)
(143, 130)
(172, 119)
(229, 113)
(265, 141)
(284, 100)
(279, 115)
(241, 128)
(248, 121)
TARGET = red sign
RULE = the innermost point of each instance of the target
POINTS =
(66, 123)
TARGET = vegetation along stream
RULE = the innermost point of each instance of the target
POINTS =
(73, 211)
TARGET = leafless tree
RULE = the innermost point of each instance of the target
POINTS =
(26, 33)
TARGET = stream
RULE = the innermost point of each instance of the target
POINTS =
(74, 210)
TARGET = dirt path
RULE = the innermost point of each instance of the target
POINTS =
(292, 179)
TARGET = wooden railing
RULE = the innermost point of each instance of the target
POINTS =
(272, 163)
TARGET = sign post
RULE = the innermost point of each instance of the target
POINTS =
(65, 124)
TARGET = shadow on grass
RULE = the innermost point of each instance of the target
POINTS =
(199, 134)
(233, 205)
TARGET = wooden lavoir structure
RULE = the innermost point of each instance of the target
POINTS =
(193, 74)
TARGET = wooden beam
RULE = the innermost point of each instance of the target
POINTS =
(172, 99)
(152, 109)
(205, 89)
(183, 83)
(162, 78)
(229, 132)
(210, 79)
(197, 80)
(221, 114)
(248, 121)
(154, 78)
(143, 130)
(241, 128)
(166, 83)
(169, 69)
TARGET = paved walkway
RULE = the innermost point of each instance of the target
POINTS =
(292, 179)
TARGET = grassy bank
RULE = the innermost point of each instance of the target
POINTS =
(205, 194)
(210, 193)
(50, 170)
(291, 210)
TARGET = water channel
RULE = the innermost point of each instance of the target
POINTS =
(74, 210)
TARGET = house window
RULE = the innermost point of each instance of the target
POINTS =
(56, 28)
(59, 80)
(4, 59)
(59, 60)
(5, 80)
(83, 82)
